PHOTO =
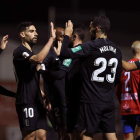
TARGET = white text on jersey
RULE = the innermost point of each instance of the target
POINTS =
(107, 48)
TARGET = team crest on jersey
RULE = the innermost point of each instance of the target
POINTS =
(76, 49)
(67, 62)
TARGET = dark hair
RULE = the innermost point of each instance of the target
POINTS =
(102, 22)
(79, 29)
(22, 26)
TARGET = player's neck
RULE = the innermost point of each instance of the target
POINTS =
(75, 43)
(100, 35)
(25, 44)
(137, 56)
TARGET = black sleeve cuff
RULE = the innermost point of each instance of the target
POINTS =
(138, 64)
(40, 71)
(1, 50)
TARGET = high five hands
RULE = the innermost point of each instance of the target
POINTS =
(4, 42)
(53, 31)
(68, 32)
(58, 49)
(69, 28)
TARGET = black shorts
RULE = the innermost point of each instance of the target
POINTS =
(95, 118)
(31, 117)
(72, 116)
(57, 115)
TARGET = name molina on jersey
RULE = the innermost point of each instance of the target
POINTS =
(107, 48)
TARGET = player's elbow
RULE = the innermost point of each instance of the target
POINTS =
(40, 59)
(36, 59)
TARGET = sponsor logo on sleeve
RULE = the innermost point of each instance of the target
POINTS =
(42, 67)
(67, 62)
(76, 49)
(25, 54)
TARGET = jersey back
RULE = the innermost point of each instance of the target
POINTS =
(101, 68)
(128, 91)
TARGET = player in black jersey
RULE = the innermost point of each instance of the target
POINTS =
(71, 68)
(29, 100)
(73, 81)
(101, 71)
(55, 88)
(4, 91)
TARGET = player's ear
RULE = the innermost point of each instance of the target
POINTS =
(74, 37)
(97, 28)
(22, 34)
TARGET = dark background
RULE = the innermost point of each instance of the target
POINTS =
(124, 15)
(125, 28)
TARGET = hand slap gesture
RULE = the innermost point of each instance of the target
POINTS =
(69, 28)
(53, 31)
(4, 42)
(58, 50)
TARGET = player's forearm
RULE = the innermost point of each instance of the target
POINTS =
(129, 66)
(6, 92)
(43, 53)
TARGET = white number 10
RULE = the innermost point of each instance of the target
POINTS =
(29, 112)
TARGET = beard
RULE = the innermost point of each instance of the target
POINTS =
(31, 43)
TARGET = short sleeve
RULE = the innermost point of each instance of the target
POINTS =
(80, 51)
(22, 55)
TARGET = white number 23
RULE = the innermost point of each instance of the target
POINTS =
(103, 61)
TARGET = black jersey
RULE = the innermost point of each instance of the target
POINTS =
(101, 68)
(73, 81)
(52, 86)
(28, 87)
(73, 78)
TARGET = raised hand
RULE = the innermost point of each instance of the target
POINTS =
(69, 28)
(58, 50)
(53, 31)
(4, 42)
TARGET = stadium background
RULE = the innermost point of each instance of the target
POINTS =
(125, 28)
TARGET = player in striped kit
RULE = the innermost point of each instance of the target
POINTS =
(128, 92)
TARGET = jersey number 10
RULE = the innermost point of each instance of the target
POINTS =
(29, 112)
(104, 63)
